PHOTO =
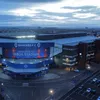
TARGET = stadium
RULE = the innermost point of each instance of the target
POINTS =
(31, 54)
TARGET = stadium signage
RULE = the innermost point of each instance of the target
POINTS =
(27, 45)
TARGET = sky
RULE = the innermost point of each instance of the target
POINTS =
(50, 13)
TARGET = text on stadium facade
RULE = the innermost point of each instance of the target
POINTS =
(27, 45)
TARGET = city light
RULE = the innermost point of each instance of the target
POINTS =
(2, 84)
(46, 67)
(80, 54)
(67, 60)
(51, 58)
(88, 67)
(51, 91)
(29, 36)
(4, 60)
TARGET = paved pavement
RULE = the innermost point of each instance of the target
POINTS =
(39, 90)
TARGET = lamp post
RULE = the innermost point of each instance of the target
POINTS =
(2, 87)
(88, 67)
(2, 84)
(51, 92)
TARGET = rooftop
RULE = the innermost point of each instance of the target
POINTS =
(67, 41)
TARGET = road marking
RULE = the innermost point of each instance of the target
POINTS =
(47, 98)
(83, 83)
(92, 96)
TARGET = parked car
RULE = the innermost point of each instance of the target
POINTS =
(94, 79)
(93, 91)
(98, 98)
(81, 86)
(76, 70)
(98, 81)
(88, 90)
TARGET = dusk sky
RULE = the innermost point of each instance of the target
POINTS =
(54, 13)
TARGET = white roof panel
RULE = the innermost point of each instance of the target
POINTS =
(58, 41)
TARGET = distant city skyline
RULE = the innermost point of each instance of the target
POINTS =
(50, 13)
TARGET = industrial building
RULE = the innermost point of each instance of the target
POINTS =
(29, 54)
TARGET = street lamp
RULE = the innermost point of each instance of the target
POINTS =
(51, 92)
(88, 67)
(2, 84)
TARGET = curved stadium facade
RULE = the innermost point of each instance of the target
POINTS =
(30, 54)
(26, 58)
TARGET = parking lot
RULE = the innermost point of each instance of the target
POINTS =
(86, 90)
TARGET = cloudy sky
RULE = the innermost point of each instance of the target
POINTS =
(54, 13)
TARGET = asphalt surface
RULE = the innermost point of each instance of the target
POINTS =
(40, 90)
(80, 91)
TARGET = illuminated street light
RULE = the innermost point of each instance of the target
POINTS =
(51, 92)
(29, 36)
(88, 67)
(2, 84)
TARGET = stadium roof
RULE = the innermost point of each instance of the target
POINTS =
(67, 41)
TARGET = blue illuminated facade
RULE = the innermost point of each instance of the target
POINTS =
(26, 50)
(26, 59)
(29, 58)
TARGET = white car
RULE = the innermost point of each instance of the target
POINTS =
(98, 98)
(94, 80)
(81, 86)
(88, 90)
(76, 70)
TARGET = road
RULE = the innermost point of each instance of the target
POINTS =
(40, 90)
(80, 93)
(37, 92)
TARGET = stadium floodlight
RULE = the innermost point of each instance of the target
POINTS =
(31, 36)
(18, 37)
(28, 36)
